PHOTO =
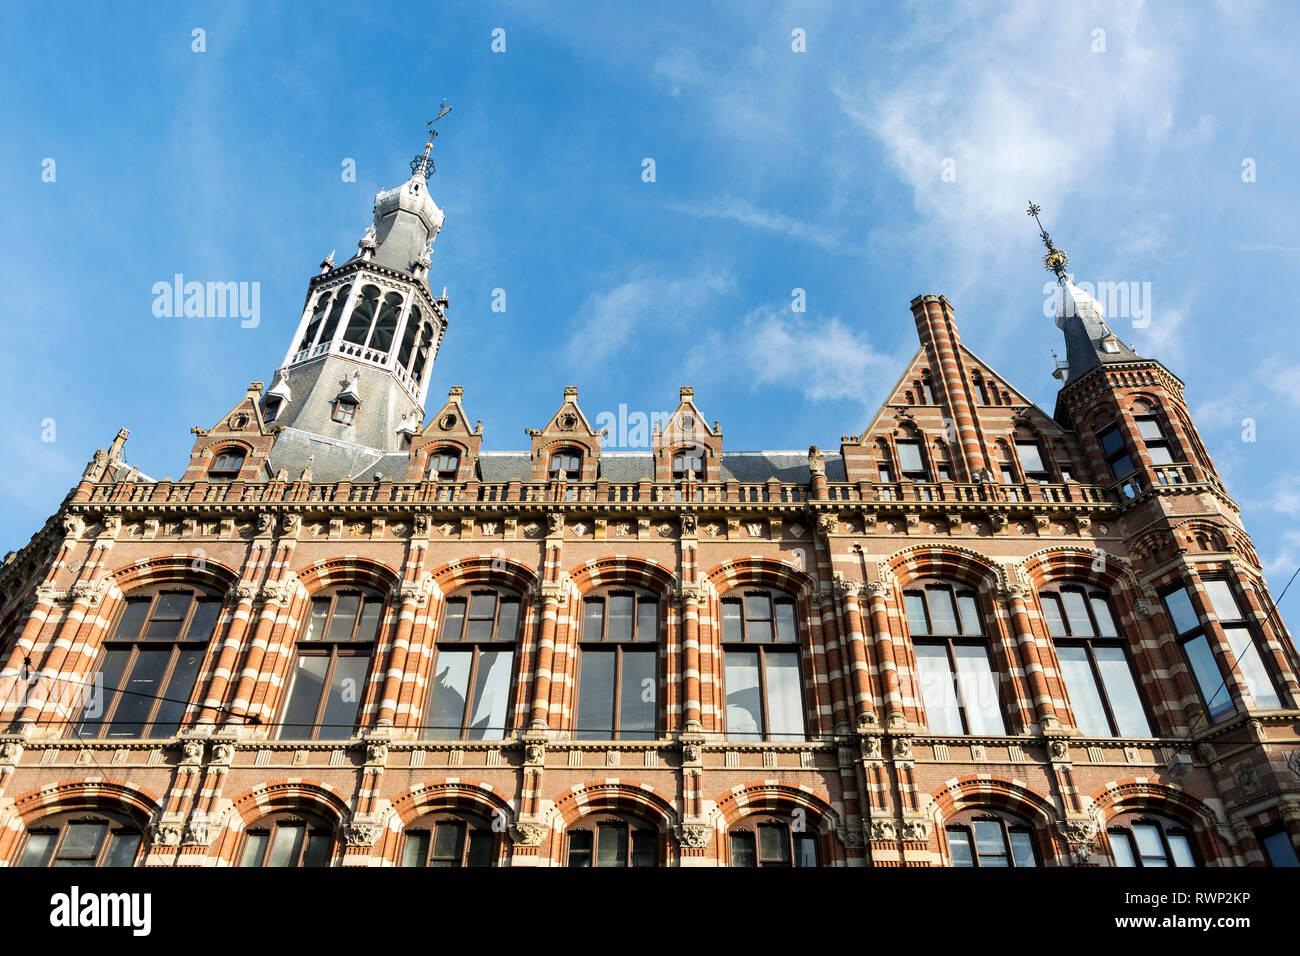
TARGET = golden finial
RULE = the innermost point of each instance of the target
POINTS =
(1055, 260)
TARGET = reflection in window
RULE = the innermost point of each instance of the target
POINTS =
(470, 693)
(287, 840)
(618, 667)
(82, 839)
(761, 667)
(958, 685)
(618, 841)
(1150, 841)
(446, 841)
(772, 843)
(985, 839)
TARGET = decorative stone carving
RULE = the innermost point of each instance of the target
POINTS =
(291, 524)
(692, 752)
(198, 832)
(901, 748)
(816, 461)
(1145, 608)
(554, 522)
(828, 524)
(10, 751)
(1245, 775)
(1058, 750)
(915, 831)
(852, 838)
(377, 752)
(265, 522)
(694, 835)
(223, 753)
(535, 753)
(192, 751)
(1081, 834)
(420, 525)
(689, 525)
(528, 833)
(871, 747)
(73, 526)
(90, 592)
(883, 831)
(413, 594)
(361, 832)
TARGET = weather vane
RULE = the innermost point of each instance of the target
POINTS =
(423, 164)
(1056, 260)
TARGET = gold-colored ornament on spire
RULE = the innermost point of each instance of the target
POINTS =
(1055, 261)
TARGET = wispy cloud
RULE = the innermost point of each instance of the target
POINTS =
(746, 213)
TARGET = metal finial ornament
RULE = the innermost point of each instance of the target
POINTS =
(423, 165)
(1055, 261)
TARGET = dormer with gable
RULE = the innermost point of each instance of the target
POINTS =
(568, 448)
(686, 446)
(237, 447)
(447, 449)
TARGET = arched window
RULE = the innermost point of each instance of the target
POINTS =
(927, 389)
(82, 838)
(287, 839)
(362, 313)
(313, 326)
(444, 464)
(958, 685)
(764, 689)
(148, 667)
(333, 658)
(771, 841)
(618, 666)
(566, 464)
(1099, 676)
(381, 336)
(469, 696)
(444, 839)
(408, 337)
(422, 353)
(986, 838)
(1142, 839)
(226, 464)
(612, 840)
(332, 323)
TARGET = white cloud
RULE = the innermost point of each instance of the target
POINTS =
(746, 213)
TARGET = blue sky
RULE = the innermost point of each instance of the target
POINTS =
(822, 170)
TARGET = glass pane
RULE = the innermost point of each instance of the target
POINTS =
(1030, 457)
(287, 844)
(508, 619)
(1149, 428)
(785, 627)
(942, 617)
(1089, 714)
(344, 700)
(1223, 600)
(1148, 841)
(139, 693)
(416, 850)
(1022, 848)
(1278, 846)
(37, 851)
(784, 701)
(731, 626)
(345, 617)
(759, 632)
(1160, 454)
(1111, 441)
(773, 845)
(491, 695)
(1052, 614)
(319, 620)
(643, 847)
(805, 850)
(621, 608)
(595, 720)
(742, 850)
(1076, 611)
(636, 717)
(647, 621)
(204, 621)
(989, 843)
(937, 689)
(100, 694)
(580, 848)
(1180, 609)
(163, 629)
(122, 849)
(128, 629)
(979, 690)
(177, 694)
(1122, 466)
(254, 848)
(318, 849)
(1117, 678)
(371, 613)
(916, 622)
(304, 695)
(455, 622)
(483, 605)
(1101, 611)
(970, 614)
(1181, 849)
(1208, 677)
(447, 698)
(909, 456)
(758, 607)
(480, 849)
(593, 619)
(1251, 668)
(448, 843)
(744, 705)
(83, 839)
(1122, 849)
(959, 848)
(172, 605)
(611, 846)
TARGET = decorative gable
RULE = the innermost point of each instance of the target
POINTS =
(235, 448)
(685, 437)
(568, 433)
(448, 433)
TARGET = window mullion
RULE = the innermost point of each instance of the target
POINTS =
(1101, 689)
(470, 683)
(618, 689)
(762, 691)
(961, 697)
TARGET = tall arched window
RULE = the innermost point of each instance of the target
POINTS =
(469, 696)
(954, 666)
(988, 838)
(771, 841)
(148, 667)
(362, 314)
(618, 666)
(82, 838)
(336, 311)
(408, 337)
(445, 839)
(313, 326)
(422, 353)
(764, 689)
(381, 337)
(1144, 839)
(287, 839)
(333, 658)
(1099, 677)
(607, 839)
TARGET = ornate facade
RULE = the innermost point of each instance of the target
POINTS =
(978, 635)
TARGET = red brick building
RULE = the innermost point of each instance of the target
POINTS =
(352, 635)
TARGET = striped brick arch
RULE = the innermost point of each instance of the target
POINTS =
(758, 571)
(484, 569)
(1138, 794)
(452, 795)
(623, 569)
(764, 796)
(1061, 564)
(993, 793)
(941, 561)
(306, 796)
(140, 806)
(190, 568)
(613, 796)
(350, 569)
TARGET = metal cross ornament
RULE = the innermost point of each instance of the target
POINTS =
(1055, 260)
(424, 164)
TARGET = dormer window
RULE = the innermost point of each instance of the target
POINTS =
(688, 464)
(1031, 461)
(444, 465)
(910, 461)
(566, 465)
(272, 409)
(345, 409)
(226, 465)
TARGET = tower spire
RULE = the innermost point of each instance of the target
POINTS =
(423, 165)
(1055, 260)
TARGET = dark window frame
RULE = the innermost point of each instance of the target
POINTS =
(637, 642)
(227, 463)
(1009, 825)
(345, 411)
(474, 830)
(1120, 827)
(494, 641)
(751, 826)
(565, 464)
(635, 829)
(271, 825)
(444, 464)
(58, 824)
(1114, 456)
(792, 647)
